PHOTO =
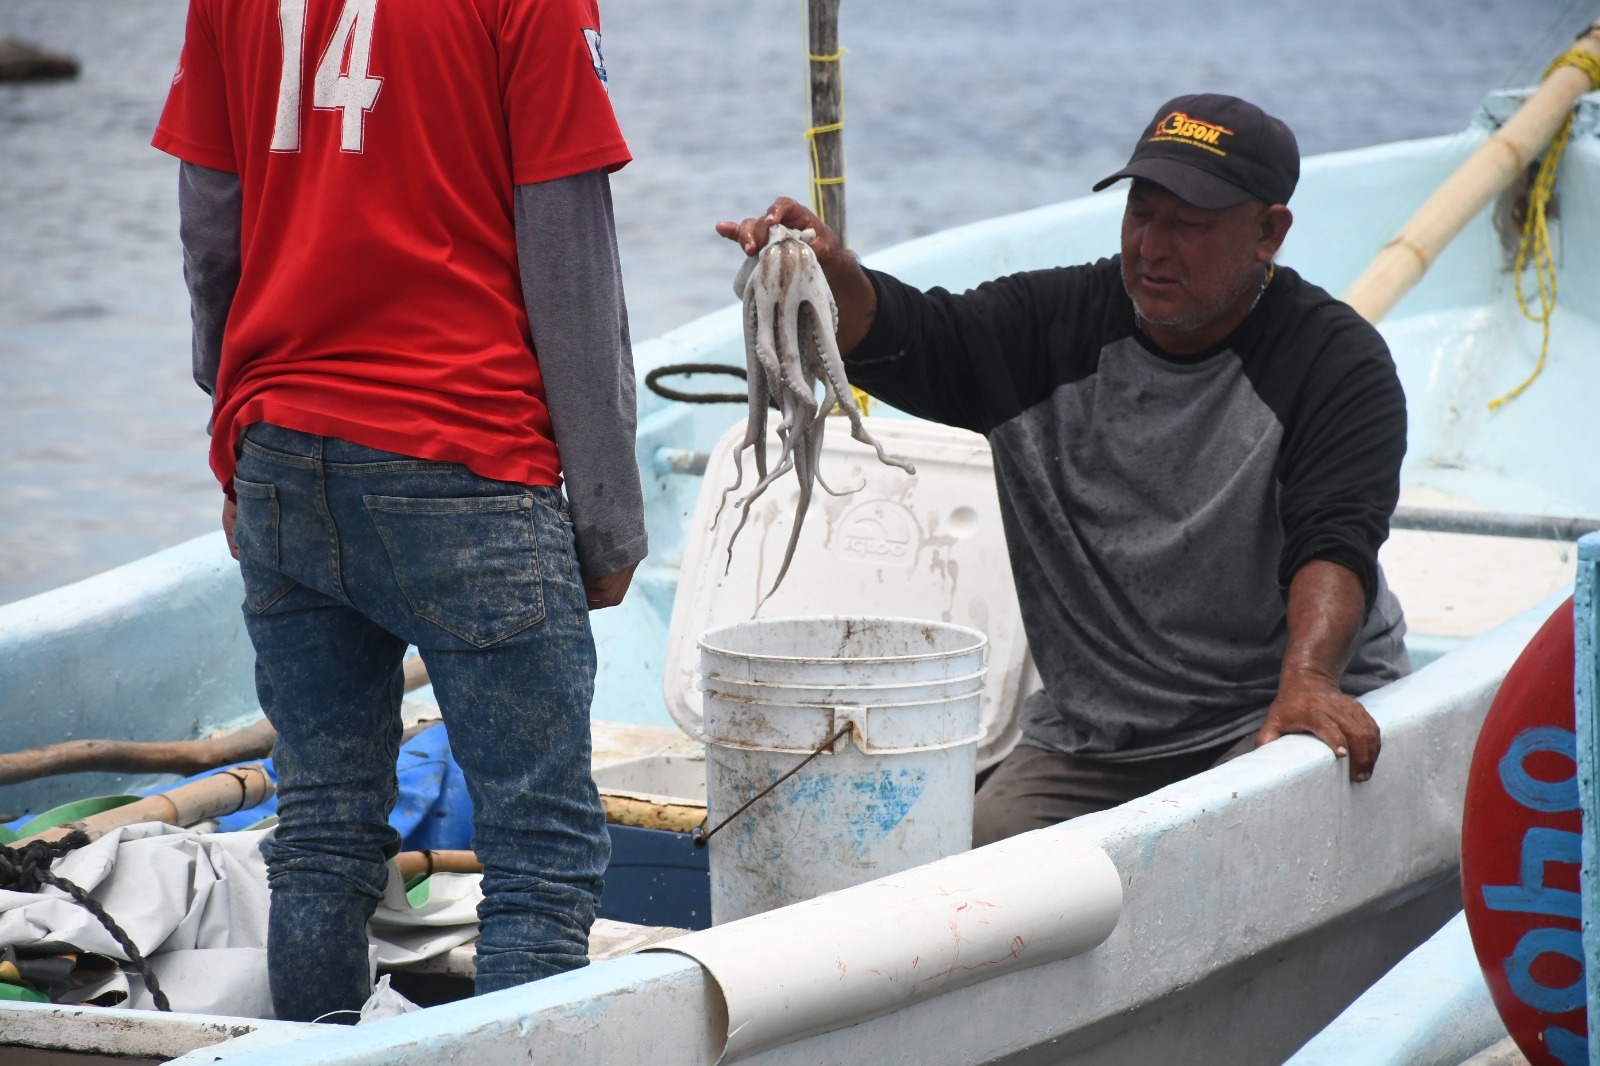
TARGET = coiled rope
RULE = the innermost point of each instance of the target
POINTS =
(27, 869)
(1534, 246)
(652, 381)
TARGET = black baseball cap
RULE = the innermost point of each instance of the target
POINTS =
(1215, 151)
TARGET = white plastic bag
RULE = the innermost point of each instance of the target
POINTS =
(385, 1002)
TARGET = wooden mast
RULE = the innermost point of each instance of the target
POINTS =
(826, 132)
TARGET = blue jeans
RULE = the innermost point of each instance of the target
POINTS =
(348, 555)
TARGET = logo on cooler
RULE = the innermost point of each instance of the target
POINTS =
(879, 532)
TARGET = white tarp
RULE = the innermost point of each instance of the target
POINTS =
(196, 906)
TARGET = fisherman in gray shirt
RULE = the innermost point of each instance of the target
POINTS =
(1197, 454)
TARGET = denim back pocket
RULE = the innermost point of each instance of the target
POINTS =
(468, 565)
(255, 532)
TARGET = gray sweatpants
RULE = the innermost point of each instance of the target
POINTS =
(1033, 788)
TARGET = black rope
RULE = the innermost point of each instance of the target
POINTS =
(652, 381)
(27, 869)
(700, 834)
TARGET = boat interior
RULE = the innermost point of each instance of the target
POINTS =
(1257, 900)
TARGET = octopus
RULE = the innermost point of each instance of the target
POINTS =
(790, 320)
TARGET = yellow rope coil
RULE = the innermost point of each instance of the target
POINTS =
(1535, 244)
(1581, 58)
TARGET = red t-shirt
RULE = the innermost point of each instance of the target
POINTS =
(377, 145)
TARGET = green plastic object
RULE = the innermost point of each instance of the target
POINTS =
(24, 995)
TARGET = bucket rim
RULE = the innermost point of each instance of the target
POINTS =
(976, 675)
(981, 643)
(841, 705)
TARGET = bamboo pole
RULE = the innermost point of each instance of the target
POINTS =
(246, 786)
(184, 757)
(650, 814)
(1486, 174)
(827, 113)
(416, 672)
(220, 794)
(620, 810)
(416, 863)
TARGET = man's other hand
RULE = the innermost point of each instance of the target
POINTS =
(230, 515)
(608, 591)
(1319, 708)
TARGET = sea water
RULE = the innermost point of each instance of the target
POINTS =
(956, 110)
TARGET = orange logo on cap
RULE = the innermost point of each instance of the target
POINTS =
(1179, 126)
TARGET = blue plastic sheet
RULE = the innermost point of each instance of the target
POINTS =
(433, 811)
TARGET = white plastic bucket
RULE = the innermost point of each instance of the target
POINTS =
(894, 792)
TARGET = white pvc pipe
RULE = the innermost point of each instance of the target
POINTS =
(843, 958)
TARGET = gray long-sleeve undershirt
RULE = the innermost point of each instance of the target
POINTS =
(209, 213)
(572, 284)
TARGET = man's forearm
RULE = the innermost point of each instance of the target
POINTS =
(1327, 605)
(854, 295)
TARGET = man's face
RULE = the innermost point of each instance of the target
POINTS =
(1185, 267)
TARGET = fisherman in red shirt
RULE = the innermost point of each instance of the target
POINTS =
(408, 309)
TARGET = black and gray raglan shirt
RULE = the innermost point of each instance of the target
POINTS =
(1155, 506)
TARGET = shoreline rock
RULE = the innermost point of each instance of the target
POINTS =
(21, 61)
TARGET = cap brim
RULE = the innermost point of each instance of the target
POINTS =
(1189, 184)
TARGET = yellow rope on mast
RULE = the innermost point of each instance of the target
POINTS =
(818, 179)
(813, 132)
(1535, 244)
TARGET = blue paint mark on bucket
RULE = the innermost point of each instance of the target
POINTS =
(885, 798)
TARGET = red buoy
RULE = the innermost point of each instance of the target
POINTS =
(1521, 843)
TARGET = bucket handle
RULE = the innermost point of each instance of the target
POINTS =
(700, 834)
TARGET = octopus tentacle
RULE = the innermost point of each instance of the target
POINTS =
(833, 368)
(830, 397)
(755, 434)
(767, 355)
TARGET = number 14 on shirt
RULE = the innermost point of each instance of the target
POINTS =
(341, 82)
